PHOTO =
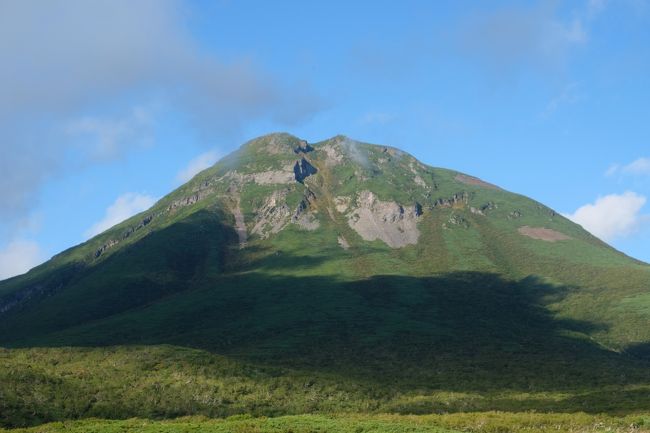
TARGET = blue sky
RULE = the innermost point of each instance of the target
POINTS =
(107, 106)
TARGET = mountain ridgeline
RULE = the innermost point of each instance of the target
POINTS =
(355, 264)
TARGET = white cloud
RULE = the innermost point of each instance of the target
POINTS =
(198, 164)
(612, 216)
(18, 257)
(125, 206)
(106, 138)
(638, 167)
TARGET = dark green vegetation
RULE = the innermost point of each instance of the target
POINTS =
(371, 284)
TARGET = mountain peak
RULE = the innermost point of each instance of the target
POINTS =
(273, 143)
(336, 210)
(356, 191)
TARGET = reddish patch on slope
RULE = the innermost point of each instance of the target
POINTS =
(543, 234)
(471, 180)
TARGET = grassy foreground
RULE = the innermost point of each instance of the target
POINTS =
(125, 388)
(462, 422)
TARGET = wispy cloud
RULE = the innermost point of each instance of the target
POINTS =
(198, 164)
(125, 206)
(569, 95)
(638, 167)
(595, 7)
(523, 37)
(93, 55)
(612, 170)
(612, 216)
(376, 118)
(104, 138)
(18, 257)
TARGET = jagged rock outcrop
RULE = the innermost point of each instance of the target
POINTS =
(303, 169)
(145, 221)
(189, 200)
(273, 215)
(111, 243)
(484, 209)
(459, 199)
(303, 147)
(302, 216)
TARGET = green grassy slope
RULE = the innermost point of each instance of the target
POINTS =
(474, 316)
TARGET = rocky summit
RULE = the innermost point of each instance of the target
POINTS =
(348, 268)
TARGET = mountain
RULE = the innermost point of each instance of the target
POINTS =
(389, 281)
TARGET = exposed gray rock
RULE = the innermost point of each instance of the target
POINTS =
(267, 177)
(460, 198)
(303, 147)
(307, 221)
(419, 181)
(302, 215)
(342, 203)
(189, 200)
(240, 225)
(272, 177)
(111, 243)
(484, 209)
(273, 215)
(332, 153)
(456, 220)
(343, 243)
(385, 220)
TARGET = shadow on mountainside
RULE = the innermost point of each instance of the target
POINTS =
(460, 332)
(639, 350)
